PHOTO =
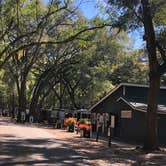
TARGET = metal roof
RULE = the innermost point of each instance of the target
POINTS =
(116, 88)
(142, 106)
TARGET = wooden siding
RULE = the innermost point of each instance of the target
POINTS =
(131, 129)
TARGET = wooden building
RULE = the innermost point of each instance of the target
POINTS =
(125, 109)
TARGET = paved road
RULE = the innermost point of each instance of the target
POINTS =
(33, 146)
(20, 145)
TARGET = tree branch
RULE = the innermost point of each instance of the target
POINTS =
(69, 39)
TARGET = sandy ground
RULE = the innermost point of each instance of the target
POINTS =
(27, 145)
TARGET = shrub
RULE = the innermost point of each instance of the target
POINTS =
(70, 121)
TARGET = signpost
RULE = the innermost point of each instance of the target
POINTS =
(100, 121)
(110, 128)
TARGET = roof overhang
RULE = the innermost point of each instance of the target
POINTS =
(134, 107)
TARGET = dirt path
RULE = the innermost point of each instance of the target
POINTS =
(21, 145)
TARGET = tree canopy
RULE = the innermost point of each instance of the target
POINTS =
(51, 56)
(50, 53)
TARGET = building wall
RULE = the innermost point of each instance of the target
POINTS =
(109, 104)
(162, 129)
(134, 128)
(131, 129)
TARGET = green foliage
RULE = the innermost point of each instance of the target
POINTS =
(84, 121)
(130, 71)
(68, 70)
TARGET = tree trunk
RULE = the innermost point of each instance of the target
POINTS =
(34, 100)
(21, 101)
(33, 107)
(36, 93)
(13, 105)
(151, 137)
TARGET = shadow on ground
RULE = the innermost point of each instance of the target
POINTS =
(65, 149)
(45, 152)
(116, 155)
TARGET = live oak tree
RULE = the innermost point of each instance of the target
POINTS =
(55, 56)
(133, 14)
(22, 31)
(128, 70)
(85, 75)
(25, 29)
(89, 80)
(50, 74)
(7, 92)
(28, 27)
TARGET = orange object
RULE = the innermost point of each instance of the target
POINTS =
(68, 121)
(85, 126)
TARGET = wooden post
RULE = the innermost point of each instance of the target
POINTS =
(97, 136)
(109, 141)
(111, 127)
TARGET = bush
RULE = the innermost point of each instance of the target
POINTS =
(84, 121)
(70, 121)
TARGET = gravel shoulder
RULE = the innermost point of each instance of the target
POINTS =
(99, 154)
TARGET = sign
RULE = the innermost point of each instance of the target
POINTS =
(126, 114)
(98, 116)
(112, 121)
(109, 132)
(101, 119)
(107, 117)
(22, 116)
(27, 111)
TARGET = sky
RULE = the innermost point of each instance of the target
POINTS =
(89, 10)
(137, 37)
(86, 6)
